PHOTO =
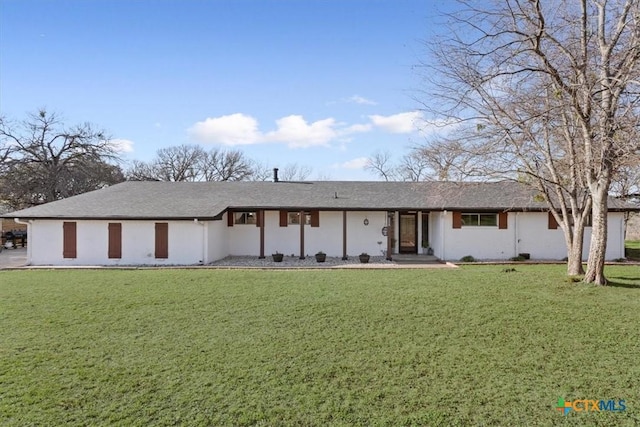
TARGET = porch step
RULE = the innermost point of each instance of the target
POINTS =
(415, 259)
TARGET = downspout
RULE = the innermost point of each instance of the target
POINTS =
(419, 233)
(28, 223)
(516, 235)
(443, 228)
(622, 233)
(204, 240)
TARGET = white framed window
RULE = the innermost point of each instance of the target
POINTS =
(294, 218)
(479, 220)
(245, 218)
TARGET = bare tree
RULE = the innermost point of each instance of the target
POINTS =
(261, 171)
(294, 172)
(551, 86)
(381, 164)
(412, 167)
(141, 171)
(221, 165)
(42, 160)
(192, 163)
(179, 163)
(445, 159)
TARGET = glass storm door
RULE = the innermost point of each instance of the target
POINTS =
(408, 233)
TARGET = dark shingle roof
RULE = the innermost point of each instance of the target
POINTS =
(205, 200)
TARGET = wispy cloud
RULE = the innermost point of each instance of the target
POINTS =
(357, 99)
(399, 123)
(121, 145)
(354, 99)
(357, 163)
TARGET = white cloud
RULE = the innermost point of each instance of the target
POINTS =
(357, 99)
(233, 129)
(121, 145)
(357, 163)
(357, 128)
(408, 122)
(297, 133)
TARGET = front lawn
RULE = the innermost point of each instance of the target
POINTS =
(473, 346)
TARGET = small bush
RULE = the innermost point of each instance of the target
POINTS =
(620, 260)
(468, 258)
(518, 258)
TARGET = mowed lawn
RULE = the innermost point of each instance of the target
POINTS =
(473, 346)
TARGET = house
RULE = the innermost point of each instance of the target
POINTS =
(179, 223)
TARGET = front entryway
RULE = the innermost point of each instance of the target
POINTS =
(408, 231)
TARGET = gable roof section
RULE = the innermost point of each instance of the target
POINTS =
(209, 200)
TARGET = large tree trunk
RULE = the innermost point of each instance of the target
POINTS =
(598, 248)
(574, 254)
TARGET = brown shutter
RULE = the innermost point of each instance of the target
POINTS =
(162, 240)
(502, 221)
(457, 219)
(69, 240)
(553, 224)
(284, 218)
(315, 218)
(115, 240)
(230, 218)
(259, 217)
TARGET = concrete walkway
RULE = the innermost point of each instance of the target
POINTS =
(12, 258)
(17, 258)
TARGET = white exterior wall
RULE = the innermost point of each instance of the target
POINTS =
(138, 243)
(193, 242)
(361, 238)
(326, 238)
(217, 240)
(480, 242)
(535, 237)
(243, 239)
(527, 232)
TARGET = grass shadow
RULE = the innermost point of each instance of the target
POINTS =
(613, 283)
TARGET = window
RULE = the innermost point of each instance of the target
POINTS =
(479, 220)
(311, 218)
(245, 218)
(294, 218)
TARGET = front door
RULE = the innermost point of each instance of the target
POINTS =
(408, 225)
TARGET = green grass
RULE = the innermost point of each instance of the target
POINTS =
(473, 346)
(632, 249)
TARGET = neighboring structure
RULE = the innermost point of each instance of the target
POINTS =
(151, 223)
(633, 227)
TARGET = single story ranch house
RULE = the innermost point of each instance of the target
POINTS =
(180, 223)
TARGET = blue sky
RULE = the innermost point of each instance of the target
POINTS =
(323, 84)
